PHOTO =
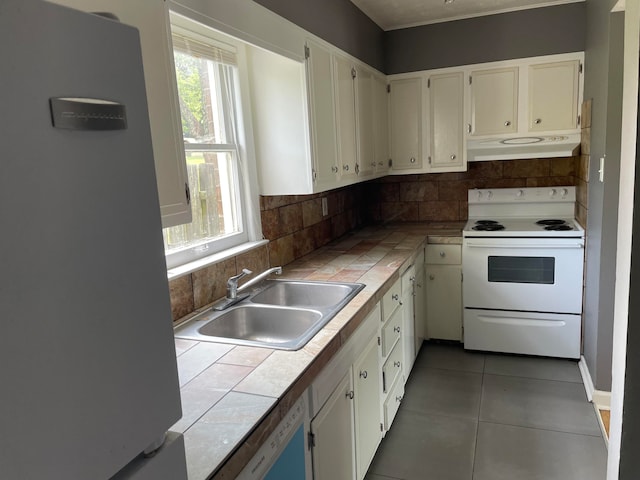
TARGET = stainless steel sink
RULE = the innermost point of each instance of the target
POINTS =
(303, 294)
(279, 314)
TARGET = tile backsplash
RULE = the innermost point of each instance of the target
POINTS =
(442, 197)
(295, 224)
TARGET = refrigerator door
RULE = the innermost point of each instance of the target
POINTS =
(87, 359)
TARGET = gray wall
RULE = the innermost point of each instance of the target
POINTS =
(527, 33)
(603, 40)
(339, 22)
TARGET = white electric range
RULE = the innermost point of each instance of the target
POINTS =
(523, 257)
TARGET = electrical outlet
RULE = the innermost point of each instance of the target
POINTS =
(325, 207)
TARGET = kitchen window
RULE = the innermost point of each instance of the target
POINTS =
(208, 80)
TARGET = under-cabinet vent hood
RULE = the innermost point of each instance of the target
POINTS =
(534, 146)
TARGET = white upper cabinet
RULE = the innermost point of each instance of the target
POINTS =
(554, 96)
(344, 76)
(447, 152)
(494, 101)
(380, 125)
(405, 109)
(322, 116)
(364, 121)
(151, 18)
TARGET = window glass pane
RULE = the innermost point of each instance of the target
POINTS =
(522, 269)
(202, 93)
(214, 200)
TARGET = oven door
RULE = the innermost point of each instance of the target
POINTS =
(523, 274)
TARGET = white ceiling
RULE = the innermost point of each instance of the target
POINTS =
(394, 14)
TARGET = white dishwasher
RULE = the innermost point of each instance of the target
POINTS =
(284, 455)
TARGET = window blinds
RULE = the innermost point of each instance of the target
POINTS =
(207, 51)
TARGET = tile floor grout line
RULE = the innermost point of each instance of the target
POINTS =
(528, 427)
(532, 378)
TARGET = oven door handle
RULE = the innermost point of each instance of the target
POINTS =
(540, 246)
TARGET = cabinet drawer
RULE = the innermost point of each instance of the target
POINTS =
(392, 367)
(391, 300)
(444, 254)
(392, 403)
(391, 332)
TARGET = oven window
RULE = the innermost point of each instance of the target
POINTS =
(522, 269)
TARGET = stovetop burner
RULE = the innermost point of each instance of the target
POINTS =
(488, 227)
(551, 221)
(558, 228)
(487, 222)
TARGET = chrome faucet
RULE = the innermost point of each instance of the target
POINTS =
(232, 284)
(260, 277)
(233, 289)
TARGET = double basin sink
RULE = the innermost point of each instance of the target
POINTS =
(279, 314)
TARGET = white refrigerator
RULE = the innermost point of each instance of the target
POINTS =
(88, 376)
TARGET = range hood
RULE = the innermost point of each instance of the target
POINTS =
(534, 146)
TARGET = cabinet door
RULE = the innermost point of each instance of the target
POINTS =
(420, 307)
(366, 372)
(553, 96)
(344, 74)
(322, 113)
(406, 123)
(494, 101)
(446, 122)
(152, 20)
(332, 429)
(364, 121)
(444, 302)
(380, 125)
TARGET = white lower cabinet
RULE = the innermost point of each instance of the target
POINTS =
(392, 402)
(333, 435)
(444, 292)
(366, 387)
(408, 320)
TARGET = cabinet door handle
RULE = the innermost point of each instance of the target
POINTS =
(432, 277)
(350, 395)
(373, 164)
(443, 254)
(363, 374)
(468, 128)
(399, 398)
(537, 121)
(394, 296)
(412, 159)
(507, 123)
(396, 364)
(396, 329)
(453, 156)
(334, 169)
(380, 163)
(345, 168)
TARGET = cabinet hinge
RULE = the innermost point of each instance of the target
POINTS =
(429, 159)
(314, 174)
(388, 88)
(381, 428)
(187, 192)
(470, 79)
(428, 83)
(390, 163)
(311, 440)
(379, 341)
(306, 52)
(580, 67)
(353, 73)
(579, 120)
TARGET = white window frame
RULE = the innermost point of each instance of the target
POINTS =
(245, 171)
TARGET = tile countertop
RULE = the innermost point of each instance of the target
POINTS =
(233, 397)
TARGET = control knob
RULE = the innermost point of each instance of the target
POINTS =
(552, 192)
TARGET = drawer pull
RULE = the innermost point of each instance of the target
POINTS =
(350, 395)
(398, 398)
(396, 329)
(432, 277)
(442, 254)
(396, 364)
(395, 296)
(363, 374)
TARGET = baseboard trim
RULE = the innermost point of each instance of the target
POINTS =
(599, 398)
